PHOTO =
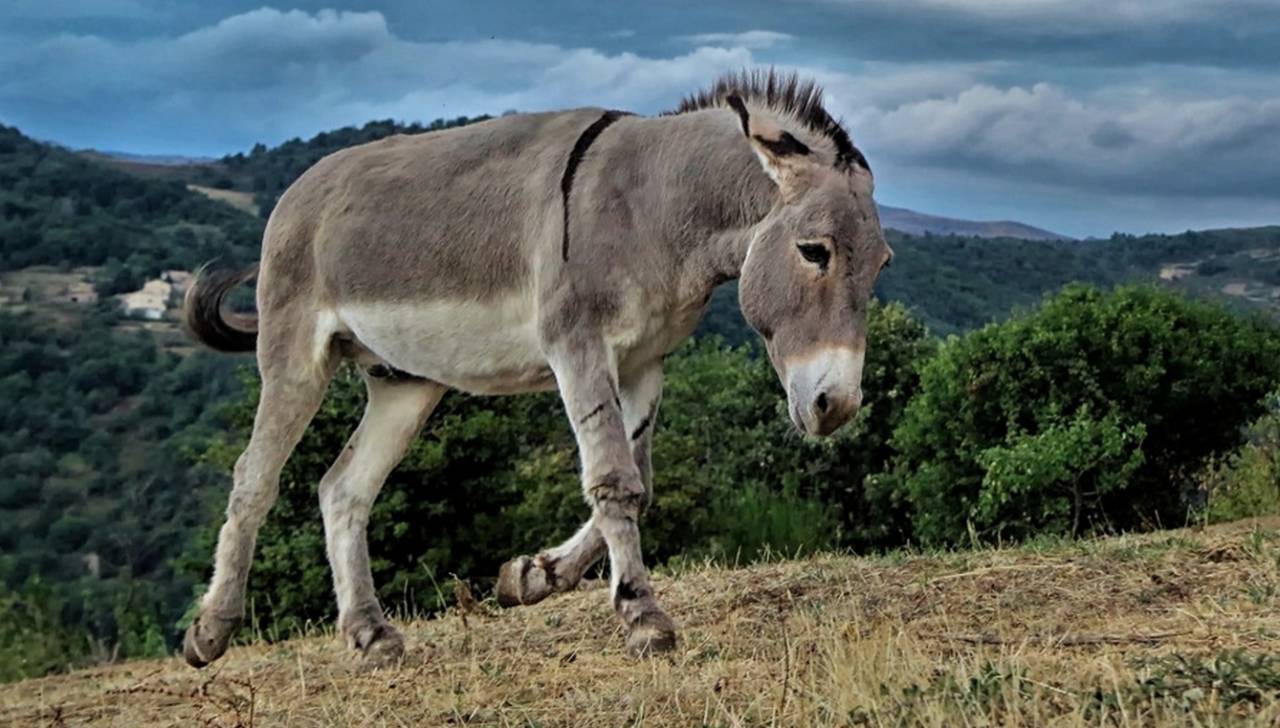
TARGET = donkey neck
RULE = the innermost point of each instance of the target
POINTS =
(713, 188)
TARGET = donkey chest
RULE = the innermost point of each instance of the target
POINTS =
(647, 328)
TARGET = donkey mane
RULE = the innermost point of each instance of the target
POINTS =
(782, 92)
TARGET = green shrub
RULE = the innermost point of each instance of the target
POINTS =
(444, 511)
(756, 522)
(1095, 410)
(34, 641)
(1235, 679)
(1248, 483)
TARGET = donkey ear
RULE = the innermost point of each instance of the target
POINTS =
(783, 156)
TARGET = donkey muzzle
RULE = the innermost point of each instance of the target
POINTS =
(824, 389)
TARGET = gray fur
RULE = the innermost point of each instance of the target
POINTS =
(440, 258)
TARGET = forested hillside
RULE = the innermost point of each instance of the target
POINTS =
(59, 208)
(955, 284)
(960, 283)
(266, 172)
(101, 487)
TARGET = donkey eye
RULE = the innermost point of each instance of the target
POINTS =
(815, 253)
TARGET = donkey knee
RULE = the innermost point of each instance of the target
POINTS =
(619, 494)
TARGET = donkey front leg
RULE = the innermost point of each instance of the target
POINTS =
(528, 580)
(613, 486)
(394, 413)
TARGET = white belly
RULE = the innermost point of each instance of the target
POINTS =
(485, 348)
(493, 347)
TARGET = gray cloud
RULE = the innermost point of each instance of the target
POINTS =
(754, 39)
(1231, 33)
(274, 73)
(1217, 146)
(1035, 100)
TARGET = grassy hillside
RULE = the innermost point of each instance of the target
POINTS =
(1175, 628)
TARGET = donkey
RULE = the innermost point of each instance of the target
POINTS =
(569, 250)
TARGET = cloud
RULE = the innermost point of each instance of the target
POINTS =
(1226, 146)
(753, 39)
(273, 74)
(76, 9)
(1041, 103)
(1228, 33)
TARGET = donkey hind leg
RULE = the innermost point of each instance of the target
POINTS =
(612, 484)
(394, 414)
(528, 580)
(289, 399)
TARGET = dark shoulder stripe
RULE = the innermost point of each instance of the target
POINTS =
(786, 146)
(580, 148)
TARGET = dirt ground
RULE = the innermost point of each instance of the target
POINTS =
(1171, 628)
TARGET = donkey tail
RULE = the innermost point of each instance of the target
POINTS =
(207, 317)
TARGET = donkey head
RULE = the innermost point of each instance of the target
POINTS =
(808, 275)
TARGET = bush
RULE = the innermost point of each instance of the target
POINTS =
(1096, 410)
(33, 641)
(756, 522)
(1248, 483)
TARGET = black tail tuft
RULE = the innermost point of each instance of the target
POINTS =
(208, 320)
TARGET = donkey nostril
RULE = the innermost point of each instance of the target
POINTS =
(821, 403)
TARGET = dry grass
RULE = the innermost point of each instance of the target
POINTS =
(1174, 628)
(240, 200)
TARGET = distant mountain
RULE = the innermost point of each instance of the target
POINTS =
(168, 160)
(919, 223)
(266, 172)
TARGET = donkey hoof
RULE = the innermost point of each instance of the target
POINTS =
(207, 639)
(522, 580)
(381, 645)
(652, 634)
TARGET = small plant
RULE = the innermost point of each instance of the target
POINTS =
(1232, 679)
(991, 691)
(1247, 483)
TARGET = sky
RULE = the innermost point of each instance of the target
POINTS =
(1082, 116)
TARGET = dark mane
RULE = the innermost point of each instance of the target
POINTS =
(783, 92)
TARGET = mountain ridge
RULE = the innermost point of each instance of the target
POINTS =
(922, 223)
(896, 218)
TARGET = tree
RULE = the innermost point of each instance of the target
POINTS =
(1095, 410)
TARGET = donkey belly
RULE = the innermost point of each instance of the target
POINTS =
(483, 348)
